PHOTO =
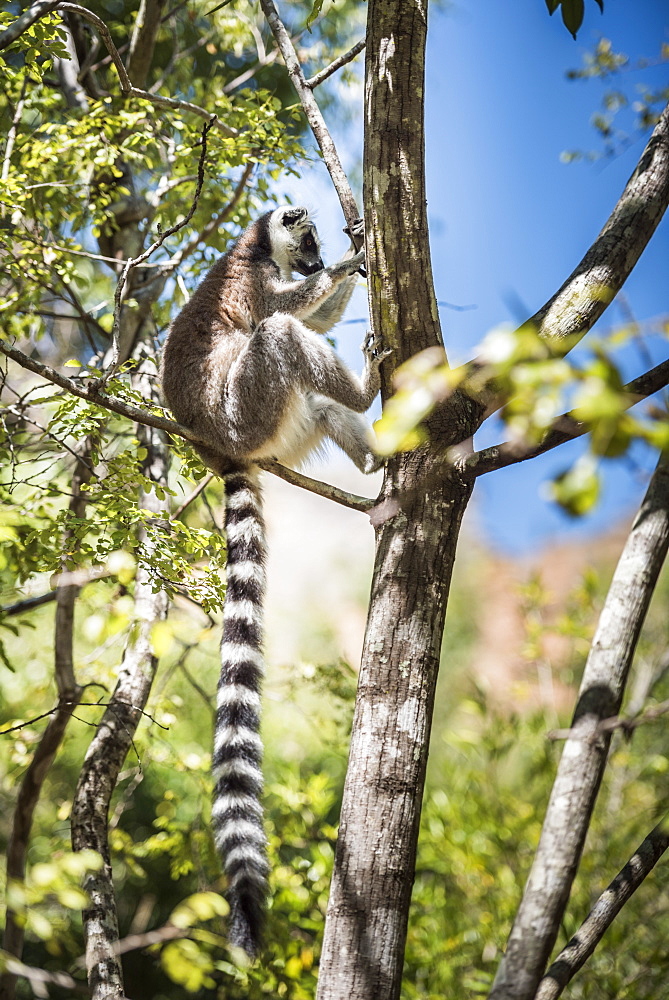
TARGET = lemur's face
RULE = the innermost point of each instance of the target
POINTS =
(295, 238)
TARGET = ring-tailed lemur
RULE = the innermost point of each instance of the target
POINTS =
(244, 368)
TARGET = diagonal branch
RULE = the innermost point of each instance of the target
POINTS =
(593, 284)
(565, 428)
(603, 913)
(143, 41)
(321, 489)
(214, 223)
(583, 759)
(312, 111)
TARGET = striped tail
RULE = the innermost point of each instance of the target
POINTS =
(237, 812)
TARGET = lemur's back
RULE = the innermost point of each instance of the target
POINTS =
(209, 333)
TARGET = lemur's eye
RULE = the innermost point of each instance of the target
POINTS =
(309, 242)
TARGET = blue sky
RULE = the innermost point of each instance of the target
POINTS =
(509, 220)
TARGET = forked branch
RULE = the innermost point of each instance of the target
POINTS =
(603, 913)
(584, 757)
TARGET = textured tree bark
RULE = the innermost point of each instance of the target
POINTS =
(417, 530)
(584, 757)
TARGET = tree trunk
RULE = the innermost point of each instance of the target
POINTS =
(418, 519)
(108, 749)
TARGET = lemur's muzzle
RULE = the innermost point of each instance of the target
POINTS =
(302, 267)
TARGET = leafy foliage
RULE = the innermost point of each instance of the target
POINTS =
(639, 110)
(478, 830)
(540, 386)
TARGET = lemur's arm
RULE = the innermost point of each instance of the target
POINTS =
(303, 298)
(331, 311)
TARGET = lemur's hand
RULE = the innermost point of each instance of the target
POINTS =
(356, 232)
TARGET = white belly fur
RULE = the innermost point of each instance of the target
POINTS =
(295, 437)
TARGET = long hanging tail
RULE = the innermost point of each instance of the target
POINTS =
(237, 813)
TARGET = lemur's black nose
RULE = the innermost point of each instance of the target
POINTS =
(317, 266)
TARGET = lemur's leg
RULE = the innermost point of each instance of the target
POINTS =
(283, 355)
(347, 429)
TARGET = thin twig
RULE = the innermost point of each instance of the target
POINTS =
(336, 64)
(202, 485)
(213, 223)
(79, 704)
(316, 486)
(313, 112)
(627, 723)
(564, 428)
(39, 979)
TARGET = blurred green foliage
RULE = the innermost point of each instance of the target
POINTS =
(488, 782)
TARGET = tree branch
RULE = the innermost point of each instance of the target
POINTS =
(584, 756)
(142, 43)
(313, 112)
(15, 30)
(214, 222)
(603, 913)
(628, 723)
(93, 394)
(316, 486)
(336, 64)
(594, 283)
(565, 428)
(69, 695)
(114, 736)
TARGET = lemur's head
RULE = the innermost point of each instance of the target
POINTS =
(294, 240)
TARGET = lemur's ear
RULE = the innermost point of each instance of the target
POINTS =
(292, 216)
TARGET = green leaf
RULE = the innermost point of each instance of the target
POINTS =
(199, 906)
(315, 11)
(218, 7)
(552, 5)
(572, 15)
(577, 489)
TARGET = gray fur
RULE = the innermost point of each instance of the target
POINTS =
(244, 367)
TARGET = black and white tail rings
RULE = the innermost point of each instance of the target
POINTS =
(237, 812)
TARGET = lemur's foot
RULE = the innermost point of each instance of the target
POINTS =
(356, 231)
(372, 348)
(353, 264)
